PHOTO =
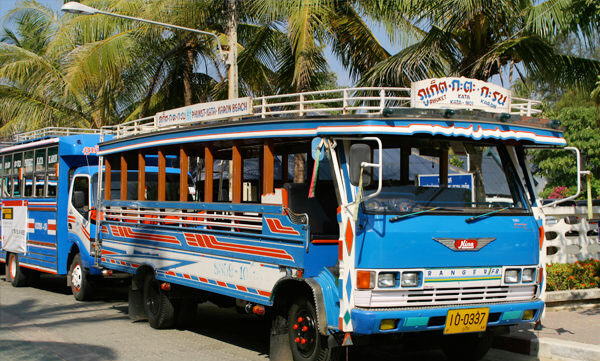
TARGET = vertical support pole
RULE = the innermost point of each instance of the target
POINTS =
(301, 105)
(264, 108)
(236, 173)
(345, 102)
(381, 100)
(141, 176)
(404, 163)
(107, 179)
(183, 174)
(208, 173)
(285, 173)
(444, 168)
(268, 173)
(123, 177)
(162, 176)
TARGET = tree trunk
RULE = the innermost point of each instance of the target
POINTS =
(188, 72)
(299, 167)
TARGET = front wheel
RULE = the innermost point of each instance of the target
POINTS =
(15, 274)
(306, 343)
(467, 347)
(80, 284)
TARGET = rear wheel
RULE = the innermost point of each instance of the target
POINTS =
(305, 341)
(15, 274)
(80, 285)
(159, 308)
(467, 347)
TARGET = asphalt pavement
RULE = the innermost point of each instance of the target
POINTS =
(45, 323)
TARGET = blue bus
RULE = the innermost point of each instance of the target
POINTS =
(48, 220)
(311, 208)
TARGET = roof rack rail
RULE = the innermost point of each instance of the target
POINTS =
(52, 132)
(332, 102)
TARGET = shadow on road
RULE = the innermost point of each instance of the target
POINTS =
(53, 351)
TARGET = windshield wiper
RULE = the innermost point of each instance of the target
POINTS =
(474, 218)
(397, 218)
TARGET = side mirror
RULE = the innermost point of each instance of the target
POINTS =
(79, 200)
(360, 153)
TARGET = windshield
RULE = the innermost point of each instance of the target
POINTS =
(447, 175)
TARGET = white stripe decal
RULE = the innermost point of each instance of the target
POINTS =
(411, 129)
(29, 145)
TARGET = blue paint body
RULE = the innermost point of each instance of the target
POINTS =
(47, 252)
(379, 243)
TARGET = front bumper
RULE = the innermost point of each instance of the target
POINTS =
(367, 321)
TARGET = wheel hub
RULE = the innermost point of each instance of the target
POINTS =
(76, 277)
(305, 333)
(13, 267)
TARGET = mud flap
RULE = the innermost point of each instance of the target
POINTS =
(279, 342)
(136, 303)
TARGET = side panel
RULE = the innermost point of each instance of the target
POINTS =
(41, 251)
(241, 254)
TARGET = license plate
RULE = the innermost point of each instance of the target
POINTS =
(466, 320)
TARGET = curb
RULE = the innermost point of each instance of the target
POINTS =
(551, 348)
(572, 295)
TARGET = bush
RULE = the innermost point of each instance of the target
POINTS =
(573, 276)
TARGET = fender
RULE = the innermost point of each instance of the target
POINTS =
(327, 303)
(86, 259)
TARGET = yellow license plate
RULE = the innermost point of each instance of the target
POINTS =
(466, 320)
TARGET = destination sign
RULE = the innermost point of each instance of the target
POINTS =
(459, 93)
(202, 112)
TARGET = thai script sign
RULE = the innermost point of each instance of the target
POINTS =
(459, 93)
(205, 111)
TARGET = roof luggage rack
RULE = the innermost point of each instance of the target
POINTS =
(52, 132)
(322, 103)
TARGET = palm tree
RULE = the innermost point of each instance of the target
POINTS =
(34, 91)
(478, 39)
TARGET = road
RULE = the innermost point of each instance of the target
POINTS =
(45, 323)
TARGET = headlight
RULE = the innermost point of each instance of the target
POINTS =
(409, 279)
(511, 276)
(386, 279)
(528, 275)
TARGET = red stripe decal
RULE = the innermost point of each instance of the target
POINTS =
(275, 226)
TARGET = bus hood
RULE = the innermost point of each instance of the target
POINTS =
(446, 241)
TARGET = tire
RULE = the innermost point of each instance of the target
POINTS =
(15, 274)
(467, 347)
(159, 308)
(302, 325)
(81, 286)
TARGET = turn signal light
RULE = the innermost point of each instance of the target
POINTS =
(365, 280)
(388, 324)
(165, 286)
(528, 315)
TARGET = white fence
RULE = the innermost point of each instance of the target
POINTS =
(569, 235)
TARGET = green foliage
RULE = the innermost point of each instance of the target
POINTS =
(559, 167)
(479, 39)
(573, 276)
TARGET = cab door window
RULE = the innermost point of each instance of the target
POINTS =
(80, 199)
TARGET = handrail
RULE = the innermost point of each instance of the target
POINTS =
(329, 102)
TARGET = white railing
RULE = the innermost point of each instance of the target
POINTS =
(333, 102)
(53, 132)
(569, 236)
(183, 219)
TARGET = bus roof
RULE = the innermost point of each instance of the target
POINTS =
(408, 111)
